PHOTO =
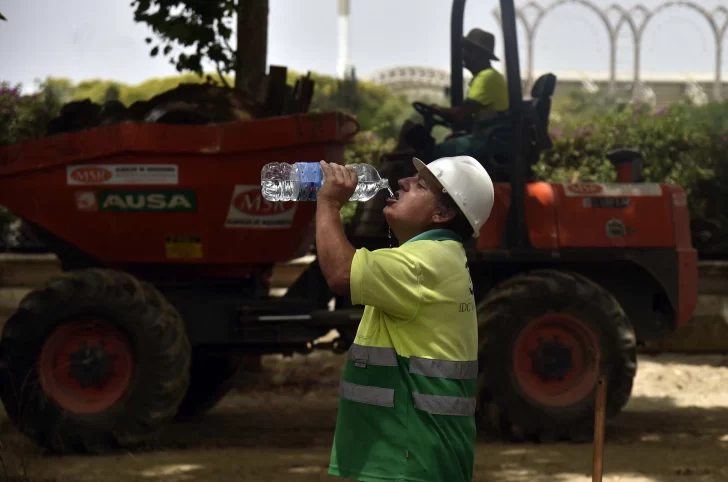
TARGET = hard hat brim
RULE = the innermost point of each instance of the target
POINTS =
(419, 165)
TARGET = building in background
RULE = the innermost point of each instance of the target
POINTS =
(417, 83)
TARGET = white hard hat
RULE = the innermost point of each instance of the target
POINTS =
(468, 184)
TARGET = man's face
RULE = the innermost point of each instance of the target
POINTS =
(414, 207)
(470, 55)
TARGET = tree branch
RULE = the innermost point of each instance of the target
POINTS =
(227, 46)
(222, 77)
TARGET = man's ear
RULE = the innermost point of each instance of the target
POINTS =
(442, 216)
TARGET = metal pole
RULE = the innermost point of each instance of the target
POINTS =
(612, 62)
(719, 38)
(600, 417)
(718, 86)
(516, 234)
(344, 57)
(456, 52)
(637, 63)
(530, 35)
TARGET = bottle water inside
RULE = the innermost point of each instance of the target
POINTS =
(300, 181)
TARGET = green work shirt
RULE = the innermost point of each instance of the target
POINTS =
(490, 89)
(407, 393)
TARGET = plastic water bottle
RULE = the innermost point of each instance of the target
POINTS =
(280, 181)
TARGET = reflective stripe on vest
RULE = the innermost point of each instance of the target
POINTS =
(435, 404)
(372, 355)
(458, 370)
(444, 405)
(384, 397)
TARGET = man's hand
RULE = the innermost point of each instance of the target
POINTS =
(339, 184)
(447, 113)
(459, 116)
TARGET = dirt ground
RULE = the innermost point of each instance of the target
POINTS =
(280, 427)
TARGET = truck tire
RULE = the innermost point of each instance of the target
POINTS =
(94, 361)
(545, 337)
(212, 376)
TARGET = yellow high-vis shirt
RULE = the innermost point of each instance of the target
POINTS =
(489, 88)
(408, 390)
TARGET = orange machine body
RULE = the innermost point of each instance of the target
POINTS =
(618, 216)
(151, 194)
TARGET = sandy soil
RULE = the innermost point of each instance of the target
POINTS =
(280, 427)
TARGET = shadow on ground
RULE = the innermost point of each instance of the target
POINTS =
(655, 441)
(280, 428)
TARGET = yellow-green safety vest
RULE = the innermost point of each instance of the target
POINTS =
(408, 389)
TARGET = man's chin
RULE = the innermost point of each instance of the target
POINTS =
(388, 212)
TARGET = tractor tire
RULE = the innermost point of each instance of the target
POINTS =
(545, 337)
(93, 362)
(212, 376)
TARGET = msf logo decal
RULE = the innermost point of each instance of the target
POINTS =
(249, 209)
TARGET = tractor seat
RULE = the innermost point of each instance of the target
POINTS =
(537, 112)
(540, 104)
(536, 139)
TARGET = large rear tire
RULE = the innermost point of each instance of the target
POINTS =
(94, 361)
(212, 376)
(545, 338)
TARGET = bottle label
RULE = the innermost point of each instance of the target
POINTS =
(310, 179)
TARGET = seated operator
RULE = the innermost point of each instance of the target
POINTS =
(487, 100)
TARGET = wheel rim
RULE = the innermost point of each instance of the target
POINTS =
(85, 366)
(556, 359)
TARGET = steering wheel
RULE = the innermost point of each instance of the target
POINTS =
(431, 117)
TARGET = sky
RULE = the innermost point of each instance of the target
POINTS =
(98, 39)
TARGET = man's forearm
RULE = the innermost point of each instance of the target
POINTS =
(335, 253)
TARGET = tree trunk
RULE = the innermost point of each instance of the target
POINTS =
(252, 30)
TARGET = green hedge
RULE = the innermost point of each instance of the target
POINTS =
(676, 148)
